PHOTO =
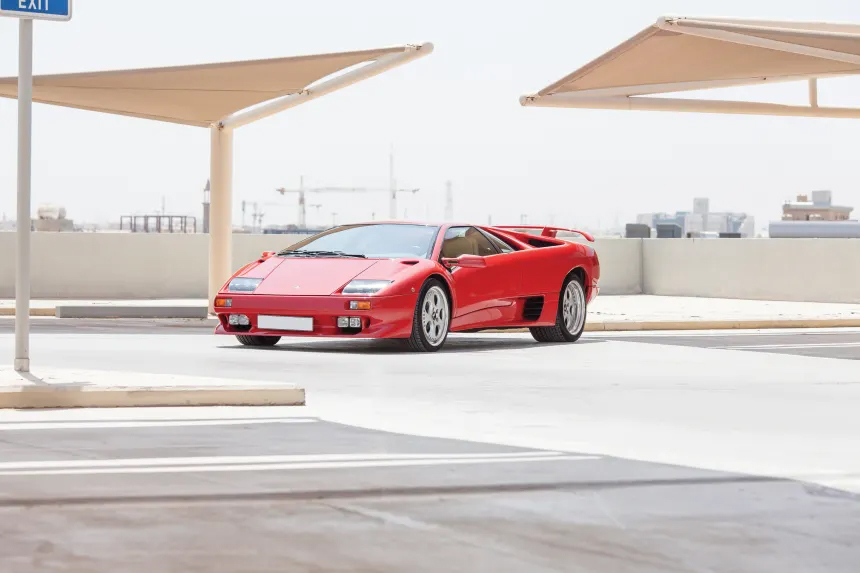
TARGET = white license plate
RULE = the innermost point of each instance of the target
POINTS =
(301, 323)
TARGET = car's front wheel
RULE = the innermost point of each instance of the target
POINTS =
(431, 318)
(570, 319)
(251, 340)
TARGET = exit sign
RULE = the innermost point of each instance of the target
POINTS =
(37, 9)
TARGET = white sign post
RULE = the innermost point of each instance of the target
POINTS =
(26, 11)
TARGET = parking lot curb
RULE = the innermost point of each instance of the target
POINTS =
(745, 324)
(10, 311)
(29, 397)
(194, 316)
(130, 311)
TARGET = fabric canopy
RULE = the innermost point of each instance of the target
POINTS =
(197, 95)
(683, 53)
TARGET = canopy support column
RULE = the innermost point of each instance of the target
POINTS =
(220, 210)
(813, 92)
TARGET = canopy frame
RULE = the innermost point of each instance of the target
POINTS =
(634, 96)
(366, 64)
(221, 154)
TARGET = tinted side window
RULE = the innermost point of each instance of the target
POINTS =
(502, 246)
(466, 241)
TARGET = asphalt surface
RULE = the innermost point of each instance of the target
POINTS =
(715, 451)
(299, 494)
(826, 344)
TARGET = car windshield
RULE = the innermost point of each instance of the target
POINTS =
(377, 241)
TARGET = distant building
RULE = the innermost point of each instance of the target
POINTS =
(818, 218)
(52, 219)
(820, 208)
(701, 221)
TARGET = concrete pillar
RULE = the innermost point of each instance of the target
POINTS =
(220, 210)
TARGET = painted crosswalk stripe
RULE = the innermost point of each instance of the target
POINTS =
(791, 346)
(269, 463)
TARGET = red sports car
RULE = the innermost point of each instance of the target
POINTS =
(415, 282)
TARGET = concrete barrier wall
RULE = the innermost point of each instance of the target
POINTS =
(124, 266)
(248, 247)
(140, 266)
(811, 270)
(620, 265)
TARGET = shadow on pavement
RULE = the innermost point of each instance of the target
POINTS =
(364, 346)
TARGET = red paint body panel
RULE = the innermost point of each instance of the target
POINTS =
(310, 277)
(489, 297)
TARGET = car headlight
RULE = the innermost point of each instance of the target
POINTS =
(363, 286)
(243, 284)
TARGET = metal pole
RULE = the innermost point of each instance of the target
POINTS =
(303, 214)
(449, 201)
(22, 264)
(392, 187)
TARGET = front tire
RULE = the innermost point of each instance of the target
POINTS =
(570, 318)
(259, 341)
(431, 318)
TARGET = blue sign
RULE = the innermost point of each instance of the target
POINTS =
(37, 9)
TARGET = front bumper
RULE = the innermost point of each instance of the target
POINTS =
(388, 317)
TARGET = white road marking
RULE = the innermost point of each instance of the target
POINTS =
(87, 425)
(792, 346)
(720, 333)
(267, 463)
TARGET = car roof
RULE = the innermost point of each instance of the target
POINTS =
(421, 223)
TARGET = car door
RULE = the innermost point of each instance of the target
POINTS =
(479, 289)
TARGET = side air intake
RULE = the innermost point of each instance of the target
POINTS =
(533, 308)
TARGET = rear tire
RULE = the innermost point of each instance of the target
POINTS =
(251, 340)
(431, 319)
(570, 317)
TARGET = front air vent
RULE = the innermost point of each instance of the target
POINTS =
(532, 308)
(409, 262)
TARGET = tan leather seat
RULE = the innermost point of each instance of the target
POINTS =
(453, 248)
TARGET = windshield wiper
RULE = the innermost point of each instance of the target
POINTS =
(320, 254)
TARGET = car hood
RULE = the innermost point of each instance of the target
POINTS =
(309, 277)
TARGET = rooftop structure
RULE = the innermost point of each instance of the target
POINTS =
(819, 207)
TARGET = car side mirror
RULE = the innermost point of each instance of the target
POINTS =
(466, 261)
(267, 254)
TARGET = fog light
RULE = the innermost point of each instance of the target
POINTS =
(359, 305)
(343, 322)
(239, 320)
(355, 322)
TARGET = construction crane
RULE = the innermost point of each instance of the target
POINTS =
(256, 214)
(302, 193)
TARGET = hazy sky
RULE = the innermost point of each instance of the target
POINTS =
(453, 115)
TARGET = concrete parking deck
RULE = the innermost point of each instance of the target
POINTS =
(628, 452)
(268, 491)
